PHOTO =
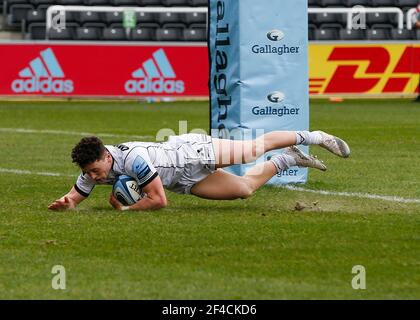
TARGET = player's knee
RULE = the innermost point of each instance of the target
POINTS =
(247, 194)
(245, 191)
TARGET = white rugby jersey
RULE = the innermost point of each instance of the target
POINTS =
(143, 161)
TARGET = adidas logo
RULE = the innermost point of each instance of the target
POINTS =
(41, 76)
(155, 76)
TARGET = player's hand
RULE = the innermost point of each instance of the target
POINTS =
(64, 203)
(114, 202)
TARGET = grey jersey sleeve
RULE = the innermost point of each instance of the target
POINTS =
(84, 185)
(139, 165)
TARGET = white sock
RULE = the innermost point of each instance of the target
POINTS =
(283, 162)
(306, 138)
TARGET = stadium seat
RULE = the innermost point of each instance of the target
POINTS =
(418, 34)
(195, 26)
(330, 3)
(149, 2)
(402, 34)
(352, 34)
(32, 16)
(17, 14)
(393, 19)
(183, 3)
(169, 34)
(331, 26)
(195, 34)
(169, 17)
(119, 25)
(70, 2)
(312, 18)
(378, 34)
(194, 17)
(88, 16)
(7, 4)
(36, 31)
(37, 3)
(88, 33)
(35, 16)
(63, 34)
(113, 17)
(311, 31)
(71, 16)
(99, 25)
(141, 33)
(146, 17)
(114, 34)
(326, 17)
(326, 34)
(382, 3)
(198, 3)
(97, 2)
(406, 3)
(377, 17)
(128, 3)
(352, 3)
(382, 26)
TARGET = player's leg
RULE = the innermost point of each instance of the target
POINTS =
(222, 185)
(230, 152)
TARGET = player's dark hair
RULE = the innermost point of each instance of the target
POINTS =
(88, 150)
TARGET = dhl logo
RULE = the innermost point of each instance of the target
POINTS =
(368, 69)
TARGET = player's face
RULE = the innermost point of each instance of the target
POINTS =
(99, 170)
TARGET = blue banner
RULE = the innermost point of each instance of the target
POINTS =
(259, 71)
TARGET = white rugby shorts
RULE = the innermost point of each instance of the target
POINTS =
(198, 157)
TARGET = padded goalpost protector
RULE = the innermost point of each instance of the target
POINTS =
(258, 53)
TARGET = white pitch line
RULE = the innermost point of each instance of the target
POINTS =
(354, 194)
(72, 133)
(49, 174)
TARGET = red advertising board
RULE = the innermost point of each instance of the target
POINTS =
(132, 71)
(103, 70)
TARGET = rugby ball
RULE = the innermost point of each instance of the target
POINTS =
(127, 191)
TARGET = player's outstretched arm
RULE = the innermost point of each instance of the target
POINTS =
(155, 199)
(68, 201)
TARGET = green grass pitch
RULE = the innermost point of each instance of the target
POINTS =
(260, 248)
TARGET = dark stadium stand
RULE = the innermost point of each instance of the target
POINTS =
(88, 33)
(114, 34)
(327, 33)
(379, 32)
(169, 34)
(144, 34)
(352, 34)
(29, 16)
(379, 26)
